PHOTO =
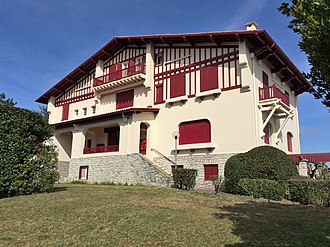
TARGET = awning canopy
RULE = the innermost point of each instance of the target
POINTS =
(312, 157)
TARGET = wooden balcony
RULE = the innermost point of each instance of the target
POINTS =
(120, 77)
(272, 92)
(101, 149)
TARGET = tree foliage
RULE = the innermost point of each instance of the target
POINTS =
(27, 162)
(8, 101)
(311, 19)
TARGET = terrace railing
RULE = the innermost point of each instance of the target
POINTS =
(273, 92)
(101, 149)
(120, 74)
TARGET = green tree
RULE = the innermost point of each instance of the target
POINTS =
(27, 160)
(311, 19)
(8, 101)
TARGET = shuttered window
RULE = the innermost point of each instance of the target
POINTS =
(178, 85)
(125, 99)
(289, 140)
(159, 94)
(210, 171)
(209, 78)
(195, 132)
(65, 112)
(83, 172)
(265, 81)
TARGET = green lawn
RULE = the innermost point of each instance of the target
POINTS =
(94, 215)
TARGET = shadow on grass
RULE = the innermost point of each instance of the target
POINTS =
(275, 224)
(60, 188)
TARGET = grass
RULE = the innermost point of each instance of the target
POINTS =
(96, 215)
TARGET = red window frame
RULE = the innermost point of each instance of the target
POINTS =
(289, 137)
(210, 170)
(65, 112)
(265, 79)
(209, 78)
(178, 85)
(198, 131)
(125, 99)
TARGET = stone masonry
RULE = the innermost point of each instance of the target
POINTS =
(130, 169)
(63, 169)
(196, 161)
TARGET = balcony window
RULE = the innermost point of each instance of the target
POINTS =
(85, 111)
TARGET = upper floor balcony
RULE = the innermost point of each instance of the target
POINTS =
(273, 92)
(120, 77)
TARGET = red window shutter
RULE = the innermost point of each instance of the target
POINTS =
(265, 81)
(210, 170)
(65, 112)
(125, 99)
(209, 78)
(131, 67)
(178, 85)
(195, 132)
(159, 94)
(289, 140)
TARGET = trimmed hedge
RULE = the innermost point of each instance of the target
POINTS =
(269, 189)
(184, 178)
(316, 192)
(264, 162)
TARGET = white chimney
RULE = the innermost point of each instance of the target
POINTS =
(251, 26)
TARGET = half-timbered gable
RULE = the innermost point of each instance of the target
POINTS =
(184, 72)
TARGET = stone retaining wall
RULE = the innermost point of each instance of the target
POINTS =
(63, 169)
(130, 169)
(197, 161)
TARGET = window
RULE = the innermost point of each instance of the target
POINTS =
(76, 112)
(94, 109)
(83, 172)
(159, 94)
(159, 58)
(265, 81)
(138, 60)
(198, 131)
(124, 99)
(210, 171)
(267, 131)
(209, 78)
(289, 138)
(178, 85)
(85, 111)
(65, 112)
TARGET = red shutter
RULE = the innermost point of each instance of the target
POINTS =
(265, 81)
(159, 94)
(178, 85)
(125, 99)
(209, 78)
(131, 67)
(210, 170)
(195, 132)
(289, 140)
(65, 112)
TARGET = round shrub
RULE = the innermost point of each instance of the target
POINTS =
(264, 162)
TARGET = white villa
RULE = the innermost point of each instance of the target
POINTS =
(118, 114)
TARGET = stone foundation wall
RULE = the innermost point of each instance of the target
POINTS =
(196, 161)
(63, 169)
(130, 169)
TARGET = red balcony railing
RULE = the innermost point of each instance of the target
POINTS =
(101, 149)
(273, 92)
(120, 74)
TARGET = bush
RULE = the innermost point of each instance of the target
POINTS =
(264, 162)
(184, 178)
(316, 192)
(269, 189)
(27, 164)
(216, 182)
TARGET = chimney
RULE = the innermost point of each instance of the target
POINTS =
(251, 26)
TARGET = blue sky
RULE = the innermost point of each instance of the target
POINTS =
(41, 41)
